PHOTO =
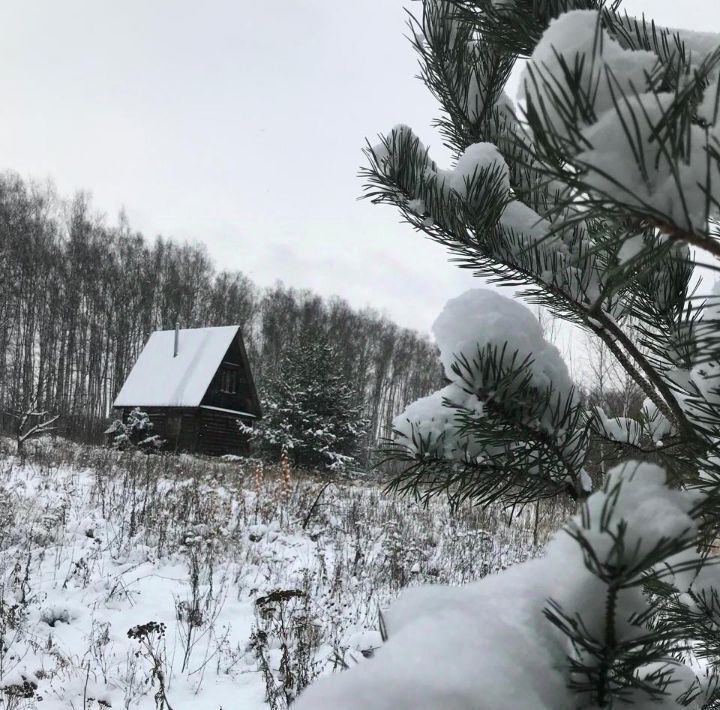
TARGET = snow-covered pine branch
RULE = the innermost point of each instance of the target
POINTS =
(592, 196)
(509, 423)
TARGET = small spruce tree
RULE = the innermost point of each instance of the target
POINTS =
(309, 410)
(596, 196)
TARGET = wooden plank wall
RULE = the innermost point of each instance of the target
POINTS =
(200, 431)
(219, 434)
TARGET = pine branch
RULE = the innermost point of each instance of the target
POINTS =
(471, 249)
(611, 334)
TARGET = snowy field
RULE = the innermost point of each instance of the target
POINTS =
(175, 582)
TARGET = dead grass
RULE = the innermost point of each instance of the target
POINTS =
(276, 577)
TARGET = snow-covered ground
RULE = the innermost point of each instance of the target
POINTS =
(237, 588)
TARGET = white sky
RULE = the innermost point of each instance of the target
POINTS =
(239, 124)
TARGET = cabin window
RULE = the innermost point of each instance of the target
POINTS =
(228, 381)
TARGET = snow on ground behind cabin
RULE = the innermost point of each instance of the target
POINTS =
(254, 603)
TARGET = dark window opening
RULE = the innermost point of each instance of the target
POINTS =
(228, 381)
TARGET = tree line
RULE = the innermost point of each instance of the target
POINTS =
(79, 298)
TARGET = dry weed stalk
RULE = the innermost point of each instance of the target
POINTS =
(286, 482)
(258, 475)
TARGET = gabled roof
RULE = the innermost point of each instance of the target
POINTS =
(160, 380)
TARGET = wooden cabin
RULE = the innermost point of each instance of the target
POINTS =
(195, 385)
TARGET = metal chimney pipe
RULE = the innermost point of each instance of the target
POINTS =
(177, 339)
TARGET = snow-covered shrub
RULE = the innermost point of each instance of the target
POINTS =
(285, 640)
(151, 637)
(134, 432)
(596, 195)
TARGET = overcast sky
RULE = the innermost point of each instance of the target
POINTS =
(239, 124)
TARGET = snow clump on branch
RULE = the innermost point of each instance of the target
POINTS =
(481, 318)
(600, 102)
(480, 321)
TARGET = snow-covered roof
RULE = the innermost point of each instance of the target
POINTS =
(160, 380)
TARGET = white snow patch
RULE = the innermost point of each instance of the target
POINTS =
(621, 429)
